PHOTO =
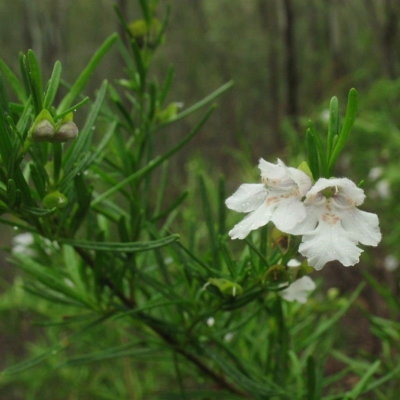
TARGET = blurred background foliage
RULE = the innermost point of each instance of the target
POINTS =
(287, 58)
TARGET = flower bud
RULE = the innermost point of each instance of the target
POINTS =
(43, 131)
(67, 131)
(226, 287)
(54, 200)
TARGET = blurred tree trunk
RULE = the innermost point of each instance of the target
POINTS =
(292, 79)
(388, 30)
(389, 35)
(44, 29)
(123, 8)
(270, 22)
(335, 41)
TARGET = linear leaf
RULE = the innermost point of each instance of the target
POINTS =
(52, 86)
(83, 142)
(13, 81)
(130, 247)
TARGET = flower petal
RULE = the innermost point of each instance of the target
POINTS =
(363, 225)
(298, 290)
(257, 218)
(247, 198)
(271, 171)
(300, 178)
(288, 212)
(330, 242)
(345, 186)
(309, 223)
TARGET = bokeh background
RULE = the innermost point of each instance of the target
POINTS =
(287, 58)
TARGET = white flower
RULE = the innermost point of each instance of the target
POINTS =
(375, 173)
(293, 263)
(22, 244)
(210, 321)
(334, 225)
(228, 337)
(277, 199)
(298, 290)
(390, 263)
(383, 189)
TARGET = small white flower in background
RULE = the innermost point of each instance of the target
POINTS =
(21, 244)
(375, 173)
(383, 189)
(334, 225)
(210, 321)
(390, 263)
(228, 337)
(325, 114)
(293, 263)
(277, 199)
(298, 290)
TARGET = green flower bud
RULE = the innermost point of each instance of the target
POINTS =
(168, 113)
(54, 200)
(226, 287)
(66, 131)
(44, 130)
(43, 127)
(139, 29)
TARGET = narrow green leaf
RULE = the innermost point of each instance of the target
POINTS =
(131, 247)
(221, 206)
(23, 186)
(311, 379)
(145, 11)
(320, 150)
(123, 229)
(209, 220)
(164, 25)
(13, 81)
(39, 212)
(153, 99)
(352, 105)
(5, 140)
(360, 386)
(334, 127)
(25, 73)
(52, 86)
(113, 353)
(377, 382)
(83, 142)
(11, 192)
(73, 109)
(190, 110)
(167, 85)
(36, 80)
(57, 162)
(38, 180)
(170, 208)
(140, 66)
(25, 119)
(161, 188)
(83, 78)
